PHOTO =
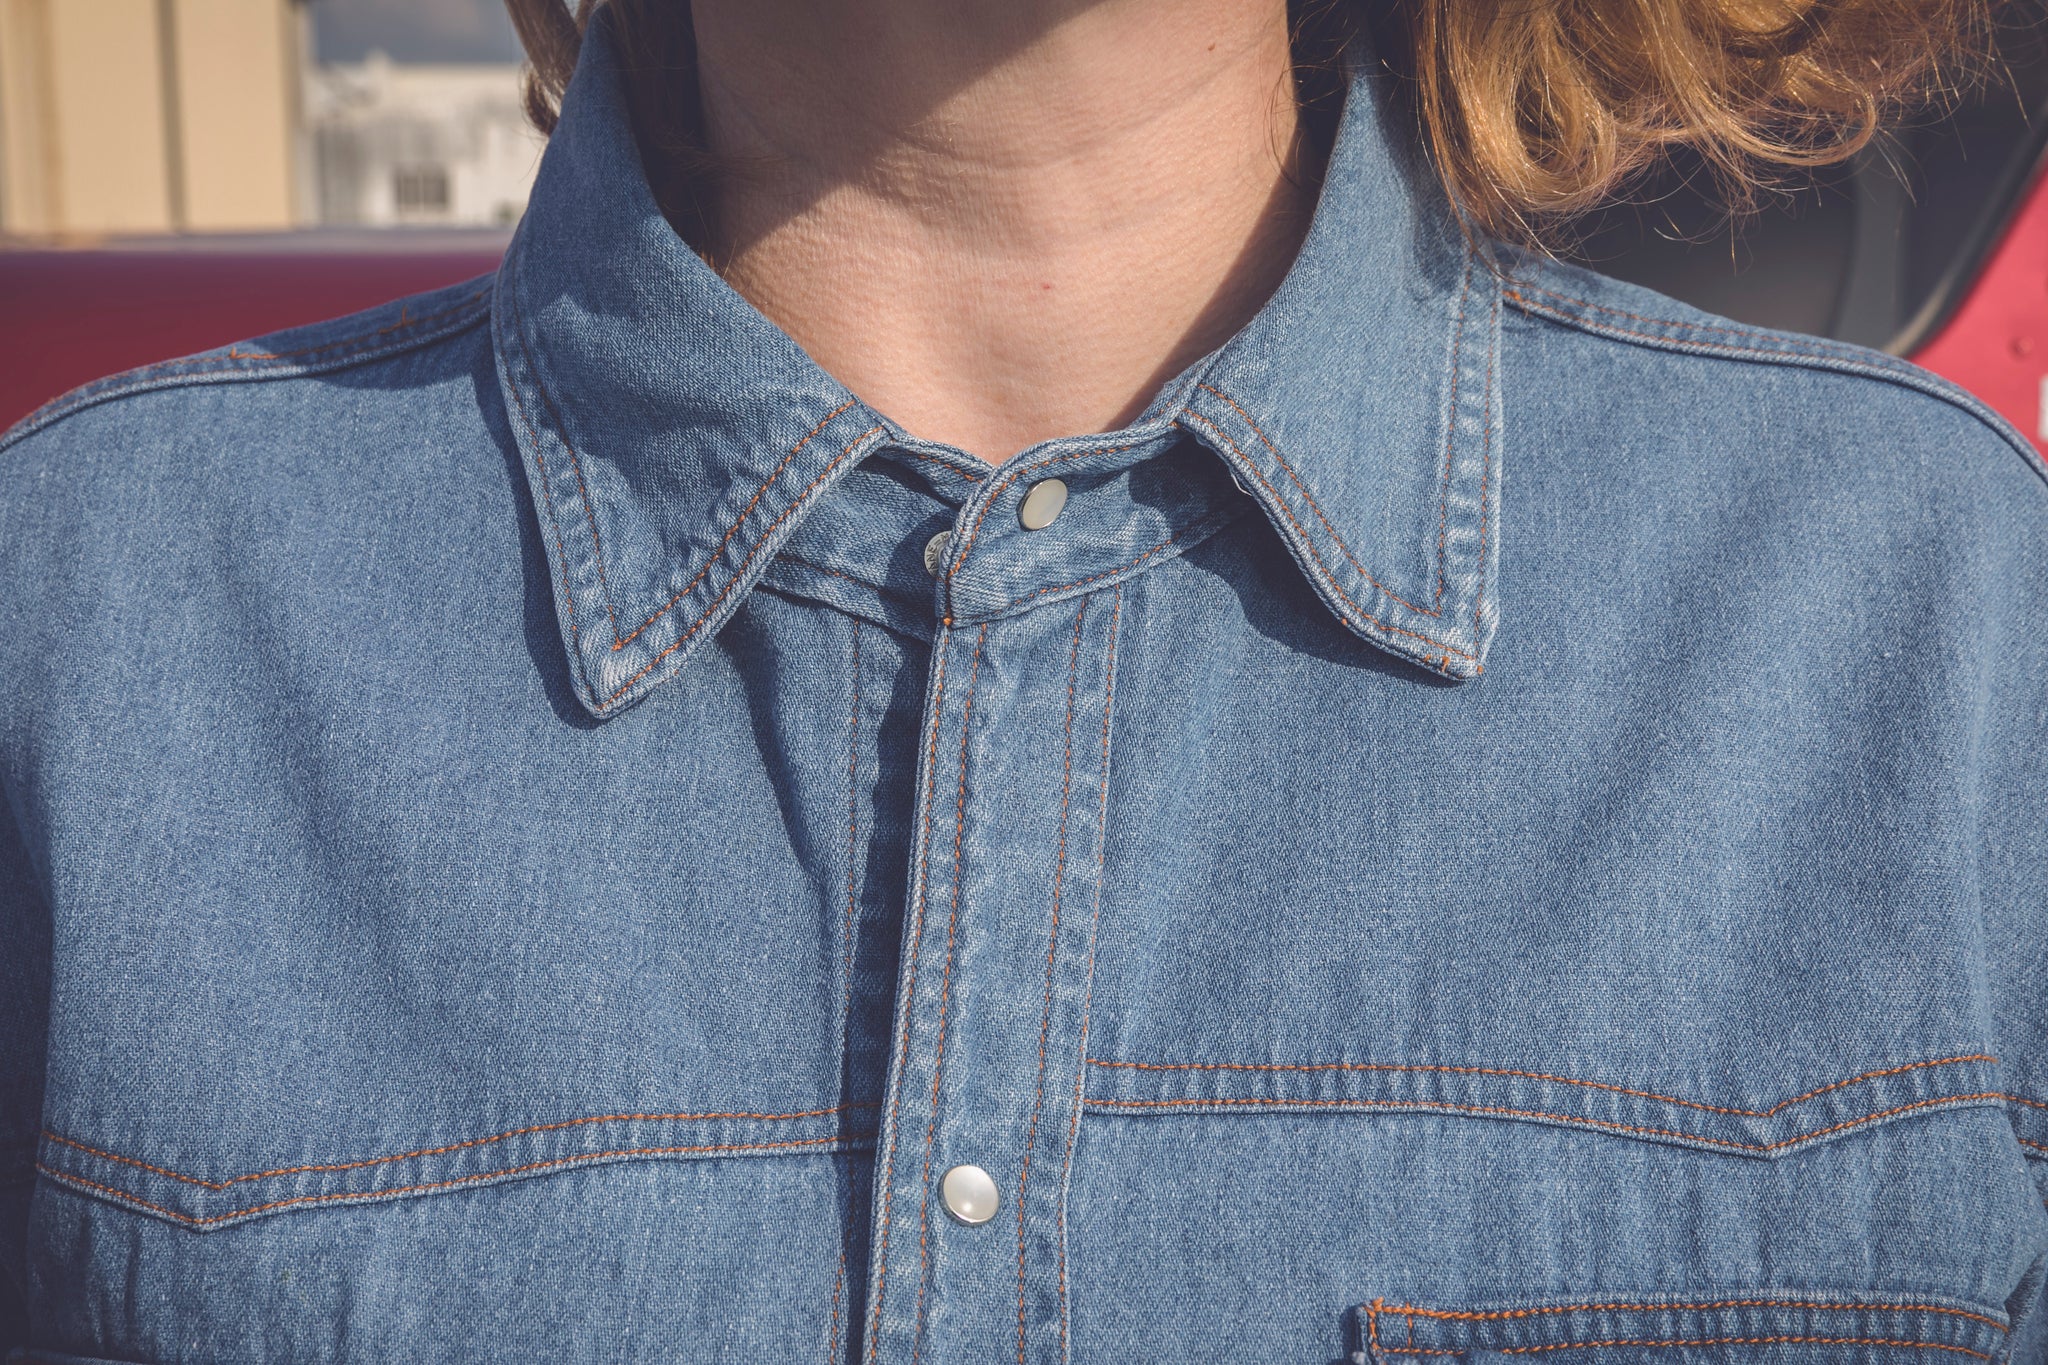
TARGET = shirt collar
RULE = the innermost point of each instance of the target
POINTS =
(674, 437)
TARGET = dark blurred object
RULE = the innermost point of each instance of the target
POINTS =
(1858, 254)
(71, 316)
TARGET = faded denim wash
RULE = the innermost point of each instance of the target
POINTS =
(1505, 817)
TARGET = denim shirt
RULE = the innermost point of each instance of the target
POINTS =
(1503, 816)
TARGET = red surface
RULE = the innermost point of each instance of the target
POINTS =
(1995, 344)
(72, 316)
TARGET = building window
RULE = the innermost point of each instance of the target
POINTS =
(420, 189)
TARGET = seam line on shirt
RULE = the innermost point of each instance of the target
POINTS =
(711, 559)
(1437, 1107)
(1052, 940)
(1003, 481)
(196, 369)
(1310, 499)
(852, 840)
(575, 460)
(1870, 364)
(931, 1131)
(741, 571)
(838, 1284)
(1323, 568)
(1395, 1067)
(1693, 1341)
(450, 1147)
(1443, 506)
(1116, 615)
(886, 1192)
(1551, 1310)
(1378, 1308)
(553, 1163)
(547, 500)
(1486, 454)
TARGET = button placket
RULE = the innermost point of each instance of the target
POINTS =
(992, 992)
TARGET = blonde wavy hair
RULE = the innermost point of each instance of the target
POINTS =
(1534, 111)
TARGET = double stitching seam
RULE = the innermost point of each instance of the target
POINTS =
(931, 1131)
(451, 1147)
(1094, 924)
(1003, 481)
(1775, 1109)
(838, 1284)
(1504, 1314)
(852, 838)
(1310, 498)
(192, 369)
(711, 559)
(741, 571)
(1486, 455)
(888, 1190)
(1379, 1307)
(547, 499)
(1158, 549)
(1434, 1107)
(1052, 939)
(1680, 334)
(1322, 567)
(1443, 507)
(1815, 348)
(575, 461)
(554, 1163)
(405, 321)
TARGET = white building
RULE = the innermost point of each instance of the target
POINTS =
(400, 145)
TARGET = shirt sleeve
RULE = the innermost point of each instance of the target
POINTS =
(24, 1020)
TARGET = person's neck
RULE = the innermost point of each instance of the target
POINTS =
(1002, 221)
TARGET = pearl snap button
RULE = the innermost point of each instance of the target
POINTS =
(935, 552)
(1042, 504)
(970, 1194)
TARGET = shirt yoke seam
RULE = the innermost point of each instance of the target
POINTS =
(231, 364)
(1684, 336)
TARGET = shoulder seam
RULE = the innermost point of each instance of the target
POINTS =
(1760, 346)
(231, 363)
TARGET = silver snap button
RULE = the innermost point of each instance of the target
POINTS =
(970, 1194)
(935, 552)
(1042, 504)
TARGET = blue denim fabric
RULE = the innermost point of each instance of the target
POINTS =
(1506, 816)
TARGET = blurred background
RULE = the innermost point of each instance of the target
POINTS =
(124, 117)
(177, 174)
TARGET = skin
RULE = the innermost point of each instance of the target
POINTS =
(1003, 221)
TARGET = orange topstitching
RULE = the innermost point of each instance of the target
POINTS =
(405, 320)
(1052, 939)
(886, 1192)
(1116, 614)
(1408, 1310)
(1328, 577)
(578, 1159)
(740, 572)
(451, 1147)
(745, 512)
(1434, 1107)
(945, 999)
(1316, 507)
(1540, 1076)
